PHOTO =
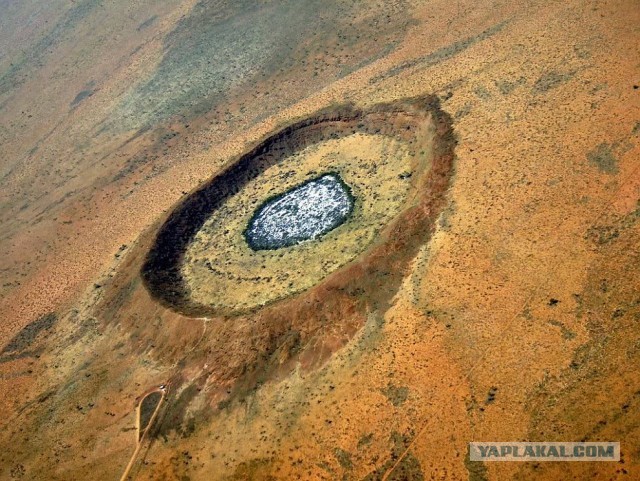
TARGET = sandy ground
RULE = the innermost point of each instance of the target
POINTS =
(516, 320)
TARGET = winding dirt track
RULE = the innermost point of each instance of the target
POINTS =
(141, 437)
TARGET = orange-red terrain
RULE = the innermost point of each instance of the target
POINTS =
(486, 288)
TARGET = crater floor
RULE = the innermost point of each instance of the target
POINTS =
(305, 212)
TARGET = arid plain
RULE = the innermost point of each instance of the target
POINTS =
(492, 292)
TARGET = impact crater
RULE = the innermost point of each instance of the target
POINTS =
(303, 204)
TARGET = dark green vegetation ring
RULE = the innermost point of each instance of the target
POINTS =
(201, 261)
